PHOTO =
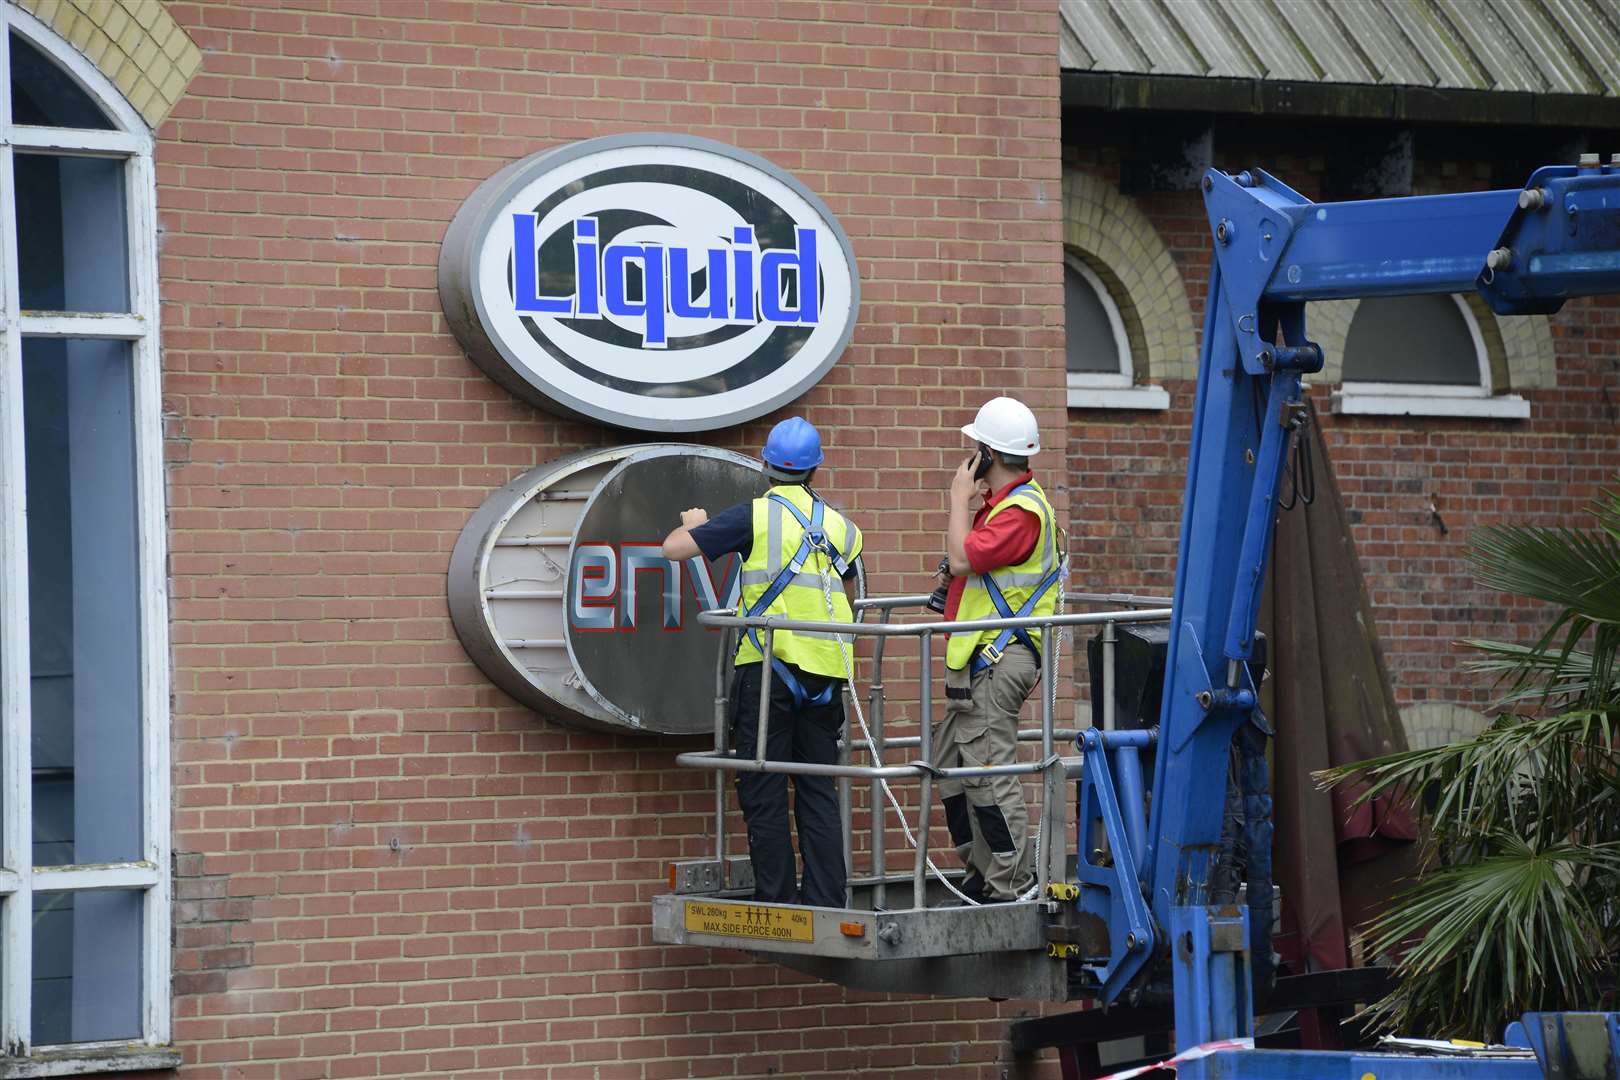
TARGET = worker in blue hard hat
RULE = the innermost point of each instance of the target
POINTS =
(1003, 561)
(796, 552)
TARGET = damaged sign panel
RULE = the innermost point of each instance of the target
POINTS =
(560, 592)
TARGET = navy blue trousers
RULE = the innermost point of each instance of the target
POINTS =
(807, 735)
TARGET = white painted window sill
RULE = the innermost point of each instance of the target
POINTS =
(1500, 407)
(1120, 397)
(94, 1058)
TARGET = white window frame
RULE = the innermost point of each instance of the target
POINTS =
(1108, 389)
(1355, 398)
(19, 878)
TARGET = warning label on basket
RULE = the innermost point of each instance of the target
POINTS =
(749, 921)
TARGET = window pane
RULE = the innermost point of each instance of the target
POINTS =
(87, 966)
(1411, 339)
(1091, 344)
(43, 95)
(83, 582)
(70, 233)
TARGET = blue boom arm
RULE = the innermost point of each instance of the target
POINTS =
(1526, 252)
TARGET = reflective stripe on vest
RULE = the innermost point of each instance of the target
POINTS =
(777, 538)
(1016, 582)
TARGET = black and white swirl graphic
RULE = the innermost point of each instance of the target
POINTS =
(726, 213)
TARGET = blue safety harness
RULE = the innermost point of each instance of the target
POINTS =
(989, 656)
(814, 540)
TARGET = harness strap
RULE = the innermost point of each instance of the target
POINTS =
(990, 655)
(814, 532)
(814, 539)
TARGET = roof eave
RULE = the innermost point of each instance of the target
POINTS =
(1120, 91)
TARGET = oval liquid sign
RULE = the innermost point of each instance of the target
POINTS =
(655, 282)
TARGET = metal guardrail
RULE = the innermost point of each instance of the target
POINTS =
(1051, 766)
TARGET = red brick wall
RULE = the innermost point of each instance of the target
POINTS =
(384, 868)
(1126, 470)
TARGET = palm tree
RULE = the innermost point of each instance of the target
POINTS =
(1518, 903)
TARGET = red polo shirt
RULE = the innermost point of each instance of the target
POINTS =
(990, 544)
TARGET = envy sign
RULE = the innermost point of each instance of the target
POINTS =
(605, 580)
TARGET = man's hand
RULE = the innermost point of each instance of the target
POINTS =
(679, 545)
(963, 486)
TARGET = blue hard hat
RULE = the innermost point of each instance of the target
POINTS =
(794, 445)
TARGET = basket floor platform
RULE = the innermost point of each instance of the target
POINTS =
(995, 950)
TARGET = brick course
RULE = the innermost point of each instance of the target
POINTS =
(384, 868)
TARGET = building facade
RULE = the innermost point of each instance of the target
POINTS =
(262, 815)
(1439, 416)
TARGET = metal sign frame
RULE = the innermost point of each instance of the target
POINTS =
(527, 648)
(518, 668)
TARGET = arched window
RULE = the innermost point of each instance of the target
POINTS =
(1098, 352)
(1419, 355)
(84, 835)
(1097, 346)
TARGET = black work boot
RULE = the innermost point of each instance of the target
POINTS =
(971, 887)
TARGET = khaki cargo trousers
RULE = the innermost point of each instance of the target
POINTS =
(986, 814)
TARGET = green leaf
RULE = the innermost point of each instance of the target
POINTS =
(1515, 908)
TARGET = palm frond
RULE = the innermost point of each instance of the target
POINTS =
(1575, 570)
(1516, 908)
(1606, 511)
(1537, 674)
(1579, 572)
(1519, 926)
(1493, 760)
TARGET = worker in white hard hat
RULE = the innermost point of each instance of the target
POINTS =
(1003, 561)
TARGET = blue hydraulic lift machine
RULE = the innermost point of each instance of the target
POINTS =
(1526, 251)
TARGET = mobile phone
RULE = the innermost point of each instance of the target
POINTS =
(981, 464)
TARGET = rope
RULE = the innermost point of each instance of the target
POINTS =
(1059, 633)
(866, 732)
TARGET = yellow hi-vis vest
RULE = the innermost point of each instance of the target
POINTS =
(1017, 582)
(777, 535)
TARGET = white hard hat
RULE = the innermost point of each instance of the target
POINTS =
(1007, 425)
